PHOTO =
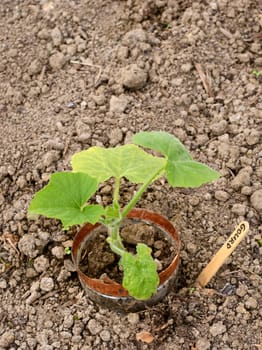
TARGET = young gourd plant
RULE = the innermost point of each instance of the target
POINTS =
(66, 195)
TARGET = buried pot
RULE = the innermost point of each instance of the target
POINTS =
(111, 294)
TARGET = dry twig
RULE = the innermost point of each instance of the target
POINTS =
(89, 64)
(205, 78)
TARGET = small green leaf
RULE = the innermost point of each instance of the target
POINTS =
(127, 161)
(163, 142)
(65, 198)
(67, 250)
(256, 73)
(140, 273)
(189, 174)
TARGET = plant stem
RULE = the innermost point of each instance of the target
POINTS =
(139, 193)
(115, 240)
(116, 191)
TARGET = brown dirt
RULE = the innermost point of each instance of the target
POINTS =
(80, 73)
(97, 258)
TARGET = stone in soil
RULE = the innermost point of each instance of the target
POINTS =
(6, 339)
(94, 327)
(133, 77)
(118, 104)
(256, 200)
(57, 61)
(217, 328)
(47, 284)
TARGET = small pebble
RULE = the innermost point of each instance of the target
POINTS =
(194, 110)
(57, 60)
(133, 77)
(47, 284)
(69, 266)
(58, 252)
(239, 209)
(253, 138)
(105, 335)
(217, 329)
(134, 36)
(31, 272)
(244, 57)
(41, 264)
(241, 291)
(12, 53)
(122, 53)
(56, 36)
(133, 318)
(246, 190)
(43, 34)
(27, 246)
(256, 200)
(50, 157)
(191, 247)
(118, 104)
(251, 303)
(219, 128)
(242, 179)
(6, 339)
(35, 67)
(84, 137)
(63, 275)
(33, 297)
(35, 286)
(3, 284)
(68, 322)
(186, 67)
(221, 195)
(100, 100)
(203, 344)
(94, 327)
(115, 136)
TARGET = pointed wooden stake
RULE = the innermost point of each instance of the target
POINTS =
(219, 258)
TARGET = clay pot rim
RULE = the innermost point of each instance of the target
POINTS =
(110, 287)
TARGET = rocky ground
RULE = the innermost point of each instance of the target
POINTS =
(93, 72)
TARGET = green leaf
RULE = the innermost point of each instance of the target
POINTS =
(140, 273)
(127, 161)
(189, 173)
(181, 169)
(65, 198)
(163, 142)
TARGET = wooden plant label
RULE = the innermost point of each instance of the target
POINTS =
(219, 258)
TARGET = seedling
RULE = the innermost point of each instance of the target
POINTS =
(256, 73)
(67, 250)
(67, 194)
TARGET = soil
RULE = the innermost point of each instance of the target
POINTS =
(98, 261)
(93, 72)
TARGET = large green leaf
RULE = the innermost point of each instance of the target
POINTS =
(163, 142)
(65, 198)
(181, 170)
(140, 273)
(189, 173)
(127, 161)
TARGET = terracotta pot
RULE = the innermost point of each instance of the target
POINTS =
(113, 295)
